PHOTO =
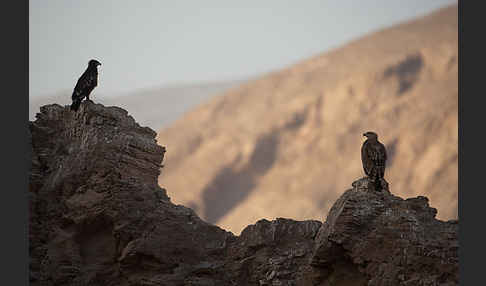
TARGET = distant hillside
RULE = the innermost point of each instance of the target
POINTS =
(287, 144)
(156, 107)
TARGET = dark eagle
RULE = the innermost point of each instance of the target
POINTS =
(86, 83)
(373, 156)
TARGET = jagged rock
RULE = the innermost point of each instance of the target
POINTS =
(98, 217)
(391, 241)
(272, 252)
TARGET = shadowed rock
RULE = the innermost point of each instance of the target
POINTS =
(390, 240)
(406, 72)
(98, 217)
(229, 187)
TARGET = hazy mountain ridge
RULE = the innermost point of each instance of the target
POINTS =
(285, 145)
(153, 107)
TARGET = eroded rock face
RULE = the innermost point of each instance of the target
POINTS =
(390, 240)
(272, 252)
(98, 217)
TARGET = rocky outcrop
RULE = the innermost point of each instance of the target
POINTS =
(98, 217)
(389, 240)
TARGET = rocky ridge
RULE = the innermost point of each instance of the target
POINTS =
(98, 217)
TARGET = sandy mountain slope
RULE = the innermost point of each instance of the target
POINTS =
(287, 144)
(153, 107)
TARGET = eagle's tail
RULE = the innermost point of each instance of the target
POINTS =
(75, 104)
(377, 184)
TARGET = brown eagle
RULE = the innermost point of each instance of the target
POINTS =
(373, 156)
(86, 83)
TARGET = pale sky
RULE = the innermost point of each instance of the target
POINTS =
(143, 44)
